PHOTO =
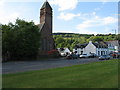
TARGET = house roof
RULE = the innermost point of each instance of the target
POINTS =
(46, 5)
(113, 43)
(96, 44)
(81, 45)
(100, 44)
(41, 26)
(62, 50)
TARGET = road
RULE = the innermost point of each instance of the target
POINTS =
(22, 66)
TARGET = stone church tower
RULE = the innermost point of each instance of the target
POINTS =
(45, 26)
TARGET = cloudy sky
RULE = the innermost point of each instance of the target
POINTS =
(72, 16)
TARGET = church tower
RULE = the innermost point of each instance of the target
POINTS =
(45, 26)
(46, 14)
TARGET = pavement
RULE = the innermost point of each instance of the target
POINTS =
(23, 66)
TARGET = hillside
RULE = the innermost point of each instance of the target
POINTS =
(69, 40)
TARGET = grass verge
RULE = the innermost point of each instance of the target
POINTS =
(102, 74)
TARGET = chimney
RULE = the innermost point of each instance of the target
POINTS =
(90, 41)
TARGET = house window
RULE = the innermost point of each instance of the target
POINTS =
(42, 45)
(81, 52)
(106, 52)
(101, 52)
(98, 52)
(75, 51)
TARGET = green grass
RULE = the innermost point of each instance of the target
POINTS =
(94, 75)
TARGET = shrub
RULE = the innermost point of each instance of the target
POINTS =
(53, 53)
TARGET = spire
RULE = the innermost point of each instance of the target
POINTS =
(46, 5)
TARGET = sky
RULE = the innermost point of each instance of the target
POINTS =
(69, 16)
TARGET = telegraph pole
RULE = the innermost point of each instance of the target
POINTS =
(114, 46)
(114, 30)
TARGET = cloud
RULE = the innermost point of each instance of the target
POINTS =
(90, 22)
(109, 20)
(4, 18)
(104, 1)
(97, 21)
(63, 31)
(5, 15)
(2, 3)
(94, 22)
(87, 32)
(65, 4)
(35, 21)
(97, 9)
(11, 14)
(68, 16)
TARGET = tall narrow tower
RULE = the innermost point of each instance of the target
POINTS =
(45, 26)
(46, 14)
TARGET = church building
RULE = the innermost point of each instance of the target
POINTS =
(45, 27)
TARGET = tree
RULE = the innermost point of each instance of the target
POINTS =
(21, 40)
(59, 42)
(70, 40)
(96, 38)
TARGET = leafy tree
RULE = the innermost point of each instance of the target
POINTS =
(96, 38)
(21, 40)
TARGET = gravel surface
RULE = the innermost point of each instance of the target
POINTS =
(22, 66)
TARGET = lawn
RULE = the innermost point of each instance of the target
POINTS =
(102, 74)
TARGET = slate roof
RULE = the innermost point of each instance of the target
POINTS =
(96, 44)
(113, 43)
(81, 45)
(61, 50)
(100, 45)
(46, 5)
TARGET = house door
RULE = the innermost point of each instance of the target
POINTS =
(101, 52)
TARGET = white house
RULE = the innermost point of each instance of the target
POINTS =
(113, 46)
(64, 51)
(88, 48)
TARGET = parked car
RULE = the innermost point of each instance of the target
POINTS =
(63, 54)
(116, 55)
(92, 55)
(104, 57)
(72, 56)
(68, 57)
(83, 56)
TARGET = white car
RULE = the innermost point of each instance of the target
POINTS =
(84, 56)
(63, 54)
(104, 57)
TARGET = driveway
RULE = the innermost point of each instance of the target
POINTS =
(22, 66)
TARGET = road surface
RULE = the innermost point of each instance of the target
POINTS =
(22, 66)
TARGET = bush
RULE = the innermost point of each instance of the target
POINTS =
(53, 53)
